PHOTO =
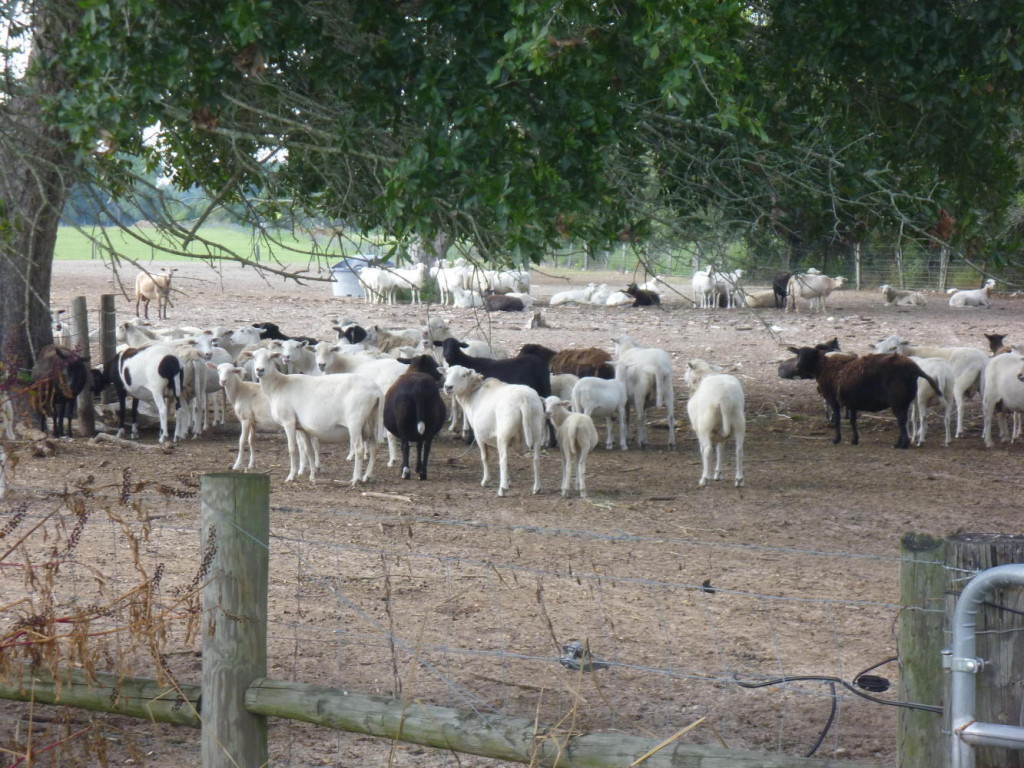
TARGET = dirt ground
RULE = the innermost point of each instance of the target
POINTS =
(442, 592)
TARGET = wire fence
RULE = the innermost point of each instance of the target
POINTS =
(593, 630)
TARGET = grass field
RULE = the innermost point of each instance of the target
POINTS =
(148, 244)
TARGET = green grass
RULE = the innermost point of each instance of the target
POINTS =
(213, 241)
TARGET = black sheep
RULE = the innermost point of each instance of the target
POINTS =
(58, 377)
(414, 411)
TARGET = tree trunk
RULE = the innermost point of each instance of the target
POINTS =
(33, 160)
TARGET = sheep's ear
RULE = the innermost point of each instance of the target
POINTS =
(303, 344)
(404, 360)
(794, 350)
(211, 366)
(438, 343)
(463, 345)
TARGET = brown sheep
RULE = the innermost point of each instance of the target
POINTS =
(149, 286)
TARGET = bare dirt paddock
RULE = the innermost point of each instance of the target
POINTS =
(442, 592)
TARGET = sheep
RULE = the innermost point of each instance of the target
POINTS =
(272, 332)
(716, 411)
(465, 298)
(577, 437)
(727, 285)
(501, 416)
(996, 343)
(414, 411)
(760, 299)
(597, 397)
(647, 375)
(61, 328)
(152, 373)
(530, 370)
(968, 369)
(619, 299)
(702, 286)
(383, 371)
(447, 278)
(325, 407)
(573, 295)
(979, 297)
(58, 377)
(656, 284)
(599, 298)
(496, 302)
(866, 383)
(349, 330)
(411, 279)
(940, 370)
(149, 286)
(562, 385)
(1003, 393)
(780, 288)
(897, 297)
(587, 361)
(250, 405)
(506, 281)
(642, 298)
(787, 368)
(812, 287)
(297, 356)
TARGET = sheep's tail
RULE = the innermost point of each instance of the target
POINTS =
(933, 382)
(525, 416)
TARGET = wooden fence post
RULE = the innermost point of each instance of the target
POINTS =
(234, 539)
(923, 583)
(80, 339)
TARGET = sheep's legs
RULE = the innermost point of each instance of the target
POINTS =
(405, 458)
(244, 438)
(536, 466)
(422, 456)
(393, 451)
(739, 435)
(581, 475)
(705, 462)
(566, 470)
(903, 441)
(503, 469)
(483, 460)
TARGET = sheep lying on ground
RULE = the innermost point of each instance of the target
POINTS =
(501, 416)
(897, 297)
(574, 296)
(716, 411)
(576, 439)
(979, 297)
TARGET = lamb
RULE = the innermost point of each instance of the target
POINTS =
(597, 397)
(501, 416)
(414, 411)
(573, 296)
(149, 287)
(647, 375)
(325, 407)
(867, 383)
(727, 285)
(642, 298)
(577, 437)
(702, 285)
(897, 297)
(251, 407)
(812, 287)
(1004, 393)
(979, 297)
(58, 377)
(968, 369)
(940, 370)
(562, 385)
(716, 411)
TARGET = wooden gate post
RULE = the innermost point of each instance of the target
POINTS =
(919, 738)
(234, 541)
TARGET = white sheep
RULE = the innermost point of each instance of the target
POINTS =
(464, 298)
(296, 356)
(149, 287)
(562, 385)
(253, 411)
(602, 398)
(726, 284)
(446, 278)
(577, 437)
(411, 279)
(573, 295)
(502, 416)
(812, 287)
(942, 374)
(1004, 393)
(619, 299)
(716, 411)
(968, 369)
(759, 299)
(647, 374)
(326, 407)
(702, 286)
(979, 297)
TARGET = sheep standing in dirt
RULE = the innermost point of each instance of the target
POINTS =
(149, 287)
(577, 437)
(716, 411)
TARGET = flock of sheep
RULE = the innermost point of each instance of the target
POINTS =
(372, 384)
